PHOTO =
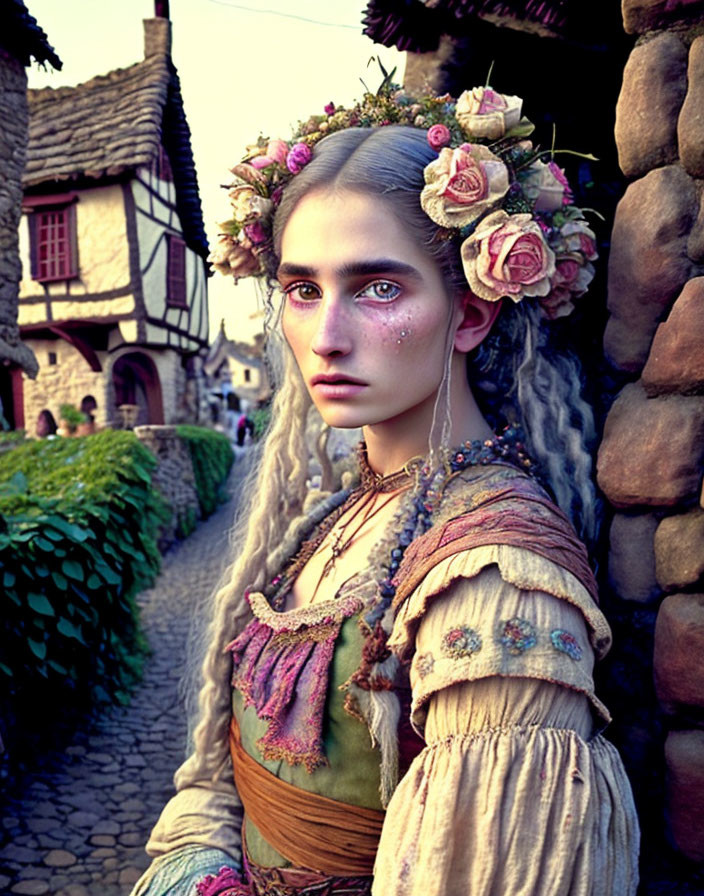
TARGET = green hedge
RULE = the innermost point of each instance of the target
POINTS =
(212, 457)
(78, 521)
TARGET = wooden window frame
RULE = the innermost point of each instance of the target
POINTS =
(176, 293)
(53, 238)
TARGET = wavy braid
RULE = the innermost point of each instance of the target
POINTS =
(276, 490)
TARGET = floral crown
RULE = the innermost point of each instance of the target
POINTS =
(521, 233)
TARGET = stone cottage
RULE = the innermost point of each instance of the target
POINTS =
(113, 301)
(626, 82)
(236, 376)
(21, 40)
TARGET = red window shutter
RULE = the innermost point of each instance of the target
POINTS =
(176, 272)
(54, 248)
(33, 247)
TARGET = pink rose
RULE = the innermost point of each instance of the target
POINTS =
(439, 136)
(256, 233)
(482, 112)
(560, 176)
(277, 150)
(462, 184)
(329, 108)
(274, 154)
(546, 186)
(298, 157)
(507, 255)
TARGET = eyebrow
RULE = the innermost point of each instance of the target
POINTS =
(353, 269)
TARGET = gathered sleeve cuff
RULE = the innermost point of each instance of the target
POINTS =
(205, 814)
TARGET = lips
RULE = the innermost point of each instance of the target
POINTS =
(336, 379)
(336, 386)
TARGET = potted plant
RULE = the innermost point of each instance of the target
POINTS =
(70, 417)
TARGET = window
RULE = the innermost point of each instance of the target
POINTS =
(52, 358)
(52, 237)
(247, 374)
(176, 272)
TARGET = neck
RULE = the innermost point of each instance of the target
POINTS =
(394, 442)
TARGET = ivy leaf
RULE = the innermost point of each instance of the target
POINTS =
(74, 532)
(44, 544)
(72, 569)
(60, 581)
(69, 630)
(40, 604)
(8, 578)
(38, 648)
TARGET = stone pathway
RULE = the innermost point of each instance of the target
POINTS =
(80, 829)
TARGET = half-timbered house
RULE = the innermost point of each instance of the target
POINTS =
(113, 301)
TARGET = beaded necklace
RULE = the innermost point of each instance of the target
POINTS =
(506, 448)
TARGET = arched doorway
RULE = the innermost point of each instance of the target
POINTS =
(137, 390)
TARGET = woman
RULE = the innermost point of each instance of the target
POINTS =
(406, 691)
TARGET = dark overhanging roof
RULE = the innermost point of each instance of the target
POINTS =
(22, 37)
(111, 125)
(416, 27)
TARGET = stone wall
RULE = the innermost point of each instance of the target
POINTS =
(174, 478)
(651, 458)
(67, 381)
(13, 149)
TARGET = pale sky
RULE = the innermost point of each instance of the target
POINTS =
(245, 68)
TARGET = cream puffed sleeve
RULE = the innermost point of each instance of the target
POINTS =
(516, 792)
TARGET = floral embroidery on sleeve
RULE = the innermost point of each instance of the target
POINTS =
(518, 635)
(566, 642)
(461, 641)
(425, 664)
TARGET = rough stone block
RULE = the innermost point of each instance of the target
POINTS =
(648, 262)
(690, 125)
(653, 90)
(695, 243)
(652, 450)
(676, 359)
(678, 661)
(640, 16)
(684, 756)
(632, 557)
(679, 551)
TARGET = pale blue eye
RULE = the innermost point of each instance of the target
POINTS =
(381, 291)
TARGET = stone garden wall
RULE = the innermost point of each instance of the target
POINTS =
(173, 477)
(651, 458)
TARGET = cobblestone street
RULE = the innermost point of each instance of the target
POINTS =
(80, 829)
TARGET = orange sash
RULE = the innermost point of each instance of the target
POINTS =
(309, 830)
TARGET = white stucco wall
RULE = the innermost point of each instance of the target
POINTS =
(156, 217)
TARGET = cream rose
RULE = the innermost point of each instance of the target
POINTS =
(507, 255)
(462, 184)
(247, 203)
(545, 185)
(482, 112)
(231, 257)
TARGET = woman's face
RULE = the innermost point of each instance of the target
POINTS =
(366, 313)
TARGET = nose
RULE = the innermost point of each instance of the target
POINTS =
(332, 335)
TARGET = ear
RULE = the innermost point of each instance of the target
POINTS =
(477, 319)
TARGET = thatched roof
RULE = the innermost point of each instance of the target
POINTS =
(113, 124)
(414, 26)
(22, 37)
